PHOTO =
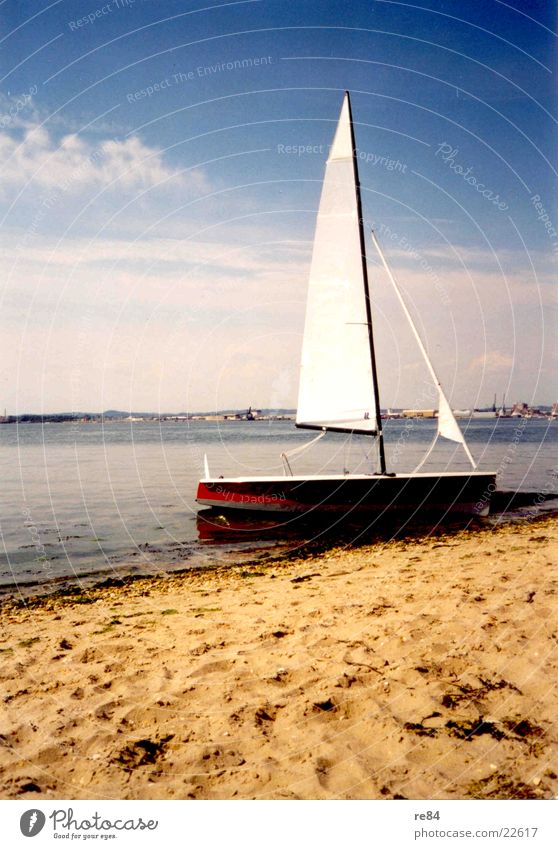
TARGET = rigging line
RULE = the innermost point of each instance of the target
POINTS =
(426, 456)
(422, 348)
(347, 451)
(299, 450)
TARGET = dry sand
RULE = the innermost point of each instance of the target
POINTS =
(411, 669)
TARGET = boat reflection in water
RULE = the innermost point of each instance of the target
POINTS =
(219, 526)
(316, 531)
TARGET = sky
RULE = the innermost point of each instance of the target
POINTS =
(161, 167)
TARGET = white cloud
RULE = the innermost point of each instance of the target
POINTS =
(41, 162)
(493, 362)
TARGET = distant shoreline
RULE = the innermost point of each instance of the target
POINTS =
(542, 411)
(115, 417)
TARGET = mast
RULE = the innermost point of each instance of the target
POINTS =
(381, 449)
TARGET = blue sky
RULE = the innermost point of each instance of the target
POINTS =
(157, 225)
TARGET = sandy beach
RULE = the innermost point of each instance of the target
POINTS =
(419, 669)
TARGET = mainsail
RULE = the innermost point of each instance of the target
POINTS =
(337, 382)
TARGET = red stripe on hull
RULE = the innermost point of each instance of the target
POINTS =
(228, 497)
(459, 493)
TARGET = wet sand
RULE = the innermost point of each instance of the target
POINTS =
(419, 669)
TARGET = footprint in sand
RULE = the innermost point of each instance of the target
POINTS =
(142, 753)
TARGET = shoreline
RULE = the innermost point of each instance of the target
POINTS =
(508, 507)
(398, 669)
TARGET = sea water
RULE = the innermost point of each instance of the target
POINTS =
(89, 501)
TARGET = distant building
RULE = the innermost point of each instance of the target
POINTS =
(420, 414)
(483, 414)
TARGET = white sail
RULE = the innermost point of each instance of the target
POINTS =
(447, 423)
(336, 380)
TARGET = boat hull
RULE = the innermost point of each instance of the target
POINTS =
(441, 493)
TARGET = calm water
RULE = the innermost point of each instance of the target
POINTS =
(92, 500)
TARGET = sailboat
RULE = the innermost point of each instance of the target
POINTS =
(338, 389)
